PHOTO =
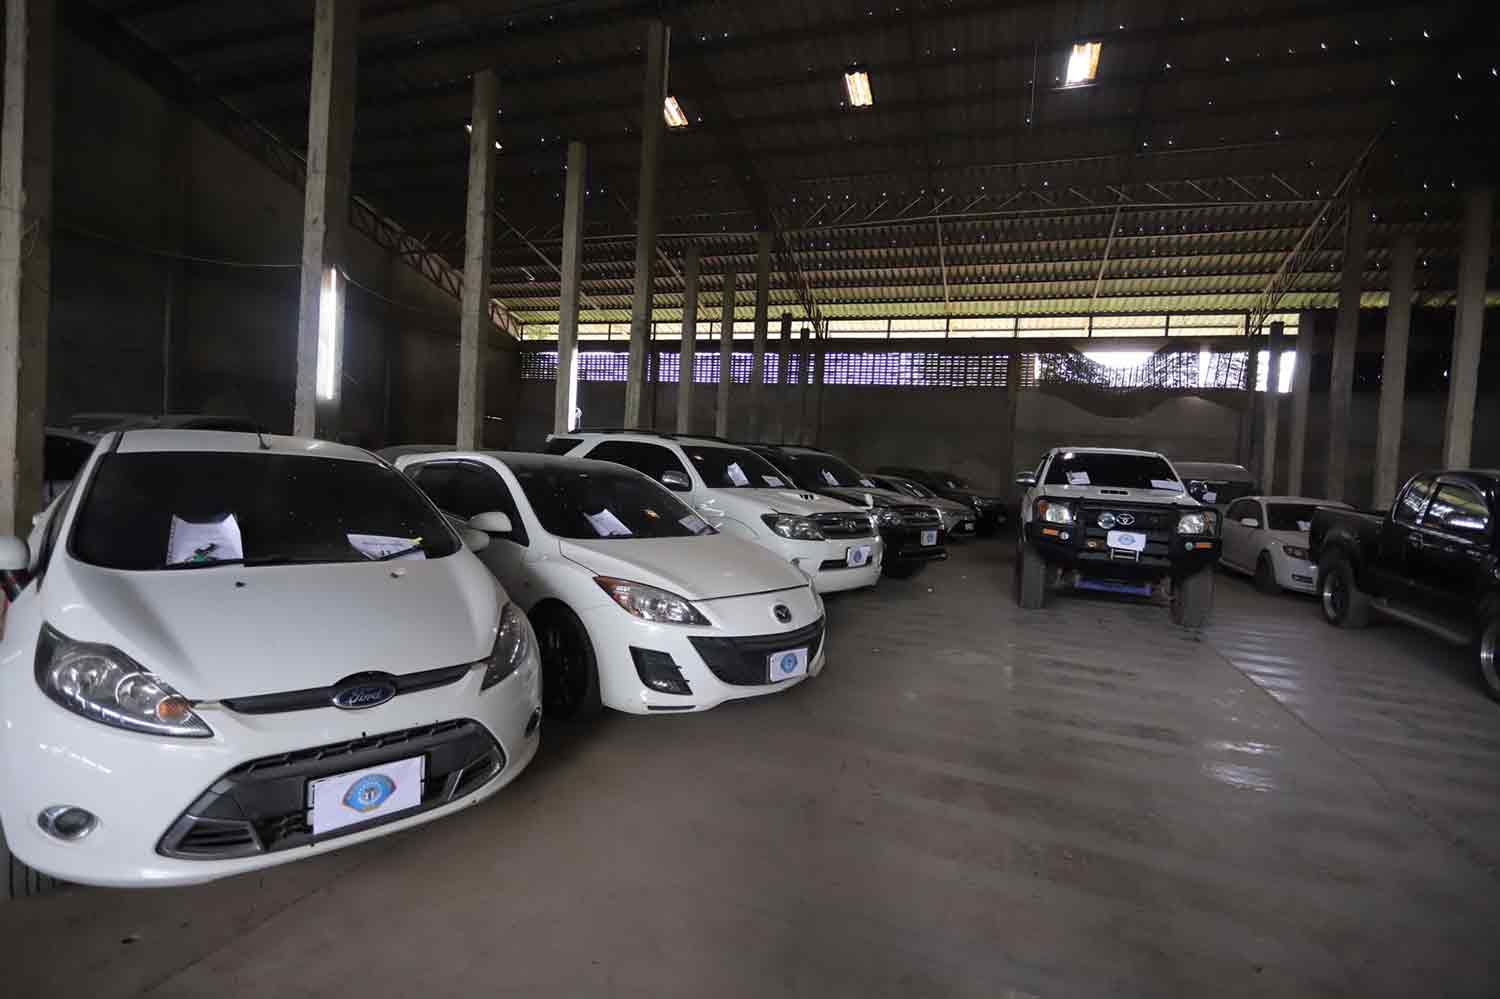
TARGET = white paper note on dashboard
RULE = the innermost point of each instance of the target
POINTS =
(204, 541)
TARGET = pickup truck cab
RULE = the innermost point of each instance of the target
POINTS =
(1432, 561)
(1119, 521)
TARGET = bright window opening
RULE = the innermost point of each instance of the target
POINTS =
(857, 83)
(328, 334)
(1083, 63)
(1119, 359)
(672, 111)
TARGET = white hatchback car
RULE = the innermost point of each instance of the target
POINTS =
(231, 651)
(638, 604)
(1267, 537)
(742, 494)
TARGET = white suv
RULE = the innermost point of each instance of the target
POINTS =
(743, 495)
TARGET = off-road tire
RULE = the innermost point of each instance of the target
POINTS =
(1193, 599)
(1344, 604)
(1031, 578)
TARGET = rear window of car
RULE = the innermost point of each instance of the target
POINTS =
(1290, 516)
(1122, 471)
(734, 468)
(592, 501)
(561, 445)
(250, 507)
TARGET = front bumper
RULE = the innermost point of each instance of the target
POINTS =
(1163, 558)
(827, 562)
(146, 790)
(737, 670)
(904, 544)
(1298, 575)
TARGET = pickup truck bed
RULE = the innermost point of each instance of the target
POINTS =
(1432, 561)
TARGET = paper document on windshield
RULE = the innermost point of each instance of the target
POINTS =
(607, 525)
(1078, 478)
(204, 542)
(773, 482)
(384, 546)
(694, 523)
(829, 477)
(1176, 487)
(737, 474)
(1304, 526)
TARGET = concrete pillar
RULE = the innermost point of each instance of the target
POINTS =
(1247, 418)
(325, 218)
(479, 228)
(1345, 344)
(1301, 395)
(1468, 326)
(820, 375)
(783, 398)
(726, 354)
(1393, 370)
(654, 94)
(762, 322)
(688, 358)
(1272, 408)
(804, 436)
(565, 396)
(25, 256)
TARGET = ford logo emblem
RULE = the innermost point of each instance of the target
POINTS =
(783, 613)
(357, 694)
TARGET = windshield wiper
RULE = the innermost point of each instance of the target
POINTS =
(206, 563)
(398, 553)
(264, 560)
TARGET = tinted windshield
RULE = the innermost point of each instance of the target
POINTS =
(733, 468)
(1290, 516)
(592, 501)
(954, 482)
(915, 489)
(186, 509)
(1123, 471)
(821, 471)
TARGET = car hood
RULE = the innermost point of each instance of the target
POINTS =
(965, 495)
(707, 567)
(855, 495)
(754, 502)
(951, 506)
(1114, 494)
(235, 632)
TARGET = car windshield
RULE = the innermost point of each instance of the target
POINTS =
(192, 509)
(915, 489)
(587, 501)
(1290, 516)
(820, 471)
(734, 468)
(954, 482)
(1103, 468)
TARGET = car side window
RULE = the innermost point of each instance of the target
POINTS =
(464, 489)
(1457, 509)
(1238, 510)
(649, 459)
(1413, 501)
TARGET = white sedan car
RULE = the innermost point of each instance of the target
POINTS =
(230, 651)
(638, 603)
(1266, 537)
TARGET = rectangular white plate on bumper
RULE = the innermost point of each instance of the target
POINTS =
(786, 665)
(1130, 541)
(929, 538)
(362, 795)
(858, 556)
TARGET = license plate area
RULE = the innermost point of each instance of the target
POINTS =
(929, 538)
(359, 796)
(858, 555)
(787, 665)
(1121, 542)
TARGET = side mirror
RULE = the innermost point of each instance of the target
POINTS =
(676, 481)
(1249, 522)
(493, 522)
(1027, 479)
(475, 541)
(15, 555)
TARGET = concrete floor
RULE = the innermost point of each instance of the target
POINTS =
(970, 801)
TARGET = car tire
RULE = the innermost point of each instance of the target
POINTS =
(1192, 599)
(570, 670)
(1031, 578)
(1265, 575)
(1487, 652)
(22, 881)
(1344, 604)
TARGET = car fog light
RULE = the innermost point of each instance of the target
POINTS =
(67, 822)
(658, 671)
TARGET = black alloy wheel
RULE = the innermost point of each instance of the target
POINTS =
(570, 674)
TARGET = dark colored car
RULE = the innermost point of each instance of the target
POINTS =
(1115, 521)
(959, 519)
(1432, 561)
(1216, 483)
(912, 531)
(989, 510)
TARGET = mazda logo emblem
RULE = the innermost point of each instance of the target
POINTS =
(783, 613)
(359, 692)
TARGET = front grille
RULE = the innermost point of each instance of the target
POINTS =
(1157, 524)
(844, 525)
(262, 806)
(920, 516)
(743, 661)
(322, 697)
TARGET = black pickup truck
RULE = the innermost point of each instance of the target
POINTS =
(1433, 561)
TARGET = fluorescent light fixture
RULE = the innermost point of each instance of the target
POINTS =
(857, 83)
(1083, 63)
(328, 323)
(672, 111)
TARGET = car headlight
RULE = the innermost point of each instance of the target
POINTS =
(1054, 513)
(102, 683)
(650, 603)
(886, 517)
(1295, 552)
(796, 528)
(1200, 522)
(515, 647)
